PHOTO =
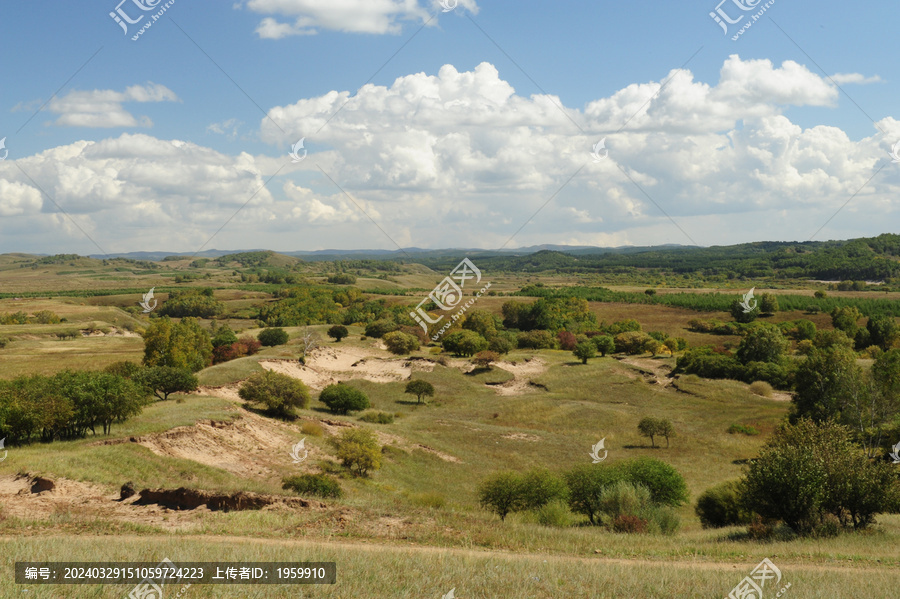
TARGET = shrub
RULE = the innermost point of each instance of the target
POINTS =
(338, 332)
(420, 389)
(631, 342)
(342, 279)
(198, 303)
(45, 317)
(124, 368)
(566, 340)
(162, 381)
(763, 343)
(501, 493)
(245, 346)
(666, 485)
(184, 344)
(761, 388)
(740, 428)
(554, 513)
(584, 351)
(377, 417)
(379, 328)
(629, 524)
(536, 340)
(484, 359)
(623, 498)
(540, 487)
(272, 336)
(320, 485)
(312, 428)
(722, 505)
(429, 499)
(358, 450)
(342, 398)
(585, 483)
(464, 343)
(223, 336)
(277, 392)
(400, 343)
(604, 344)
(502, 343)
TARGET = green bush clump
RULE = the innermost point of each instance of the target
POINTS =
(272, 337)
(342, 398)
(740, 428)
(721, 505)
(377, 417)
(320, 485)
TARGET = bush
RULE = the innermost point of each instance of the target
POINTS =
(198, 303)
(540, 487)
(420, 389)
(272, 337)
(721, 505)
(585, 483)
(554, 513)
(342, 398)
(502, 343)
(277, 392)
(740, 428)
(604, 344)
(501, 493)
(484, 359)
(320, 485)
(585, 351)
(761, 388)
(245, 346)
(631, 342)
(358, 450)
(380, 328)
(429, 499)
(653, 427)
(377, 417)
(342, 279)
(162, 381)
(312, 428)
(400, 343)
(666, 485)
(338, 332)
(223, 336)
(629, 524)
(566, 340)
(536, 340)
(464, 343)
(184, 344)
(763, 343)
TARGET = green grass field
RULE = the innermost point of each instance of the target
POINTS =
(414, 528)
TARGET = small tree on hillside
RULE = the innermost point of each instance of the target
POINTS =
(420, 389)
(358, 450)
(273, 336)
(484, 359)
(665, 429)
(342, 398)
(277, 392)
(400, 343)
(649, 427)
(162, 381)
(584, 351)
(309, 341)
(502, 493)
(605, 344)
(338, 332)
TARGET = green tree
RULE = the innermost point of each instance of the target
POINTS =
(482, 322)
(722, 505)
(420, 389)
(181, 345)
(586, 483)
(271, 337)
(198, 303)
(827, 381)
(358, 450)
(768, 304)
(738, 312)
(540, 487)
(649, 427)
(223, 336)
(163, 381)
(808, 470)
(666, 429)
(883, 332)
(278, 393)
(379, 328)
(666, 485)
(584, 351)
(763, 343)
(502, 493)
(342, 398)
(400, 343)
(604, 344)
(846, 318)
(338, 332)
(484, 359)
(464, 343)
(100, 398)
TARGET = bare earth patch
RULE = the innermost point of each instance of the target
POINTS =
(523, 372)
(522, 437)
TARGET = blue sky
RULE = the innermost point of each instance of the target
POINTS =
(456, 142)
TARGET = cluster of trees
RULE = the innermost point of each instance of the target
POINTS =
(39, 317)
(198, 303)
(656, 427)
(341, 279)
(630, 496)
(810, 476)
(66, 405)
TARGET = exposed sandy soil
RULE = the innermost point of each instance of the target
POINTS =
(523, 372)
(248, 446)
(327, 365)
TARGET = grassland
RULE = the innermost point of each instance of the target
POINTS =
(414, 528)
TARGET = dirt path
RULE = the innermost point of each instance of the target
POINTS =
(522, 372)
